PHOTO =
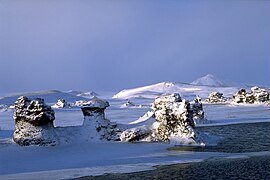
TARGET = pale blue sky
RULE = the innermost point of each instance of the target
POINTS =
(111, 45)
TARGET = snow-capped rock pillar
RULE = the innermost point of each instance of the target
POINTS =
(174, 118)
(197, 108)
(33, 122)
(95, 123)
(94, 110)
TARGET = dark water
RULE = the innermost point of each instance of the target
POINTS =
(239, 138)
(251, 168)
(236, 138)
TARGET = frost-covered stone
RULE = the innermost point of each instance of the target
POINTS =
(261, 95)
(136, 134)
(256, 95)
(240, 96)
(33, 122)
(173, 119)
(197, 108)
(61, 103)
(215, 97)
(96, 123)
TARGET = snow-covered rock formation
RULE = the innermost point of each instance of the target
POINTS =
(261, 95)
(172, 121)
(240, 96)
(256, 95)
(197, 109)
(215, 97)
(96, 124)
(33, 122)
(61, 103)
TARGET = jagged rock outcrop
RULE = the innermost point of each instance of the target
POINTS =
(61, 103)
(173, 121)
(261, 95)
(136, 134)
(96, 124)
(256, 95)
(215, 97)
(197, 108)
(240, 96)
(33, 122)
(173, 116)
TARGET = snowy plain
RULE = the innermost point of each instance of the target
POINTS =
(79, 159)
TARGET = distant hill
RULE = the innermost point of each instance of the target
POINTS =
(90, 94)
(50, 96)
(211, 80)
(187, 91)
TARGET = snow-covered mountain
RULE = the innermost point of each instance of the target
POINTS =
(210, 80)
(187, 91)
(50, 96)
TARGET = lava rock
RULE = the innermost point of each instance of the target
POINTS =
(33, 122)
(197, 108)
(61, 103)
(261, 95)
(240, 96)
(256, 95)
(215, 97)
(172, 120)
(95, 121)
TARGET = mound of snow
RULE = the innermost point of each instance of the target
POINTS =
(210, 80)
(50, 96)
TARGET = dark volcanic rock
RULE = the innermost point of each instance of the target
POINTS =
(197, 108)
(171, 120)
(215, 97)
(33, 122)
(256, 95)
(95, 121)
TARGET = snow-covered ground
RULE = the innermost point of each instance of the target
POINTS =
(78, 159)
